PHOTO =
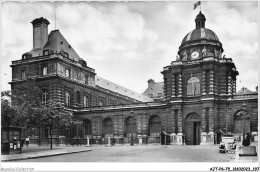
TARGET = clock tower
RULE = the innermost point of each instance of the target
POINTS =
(198, 83)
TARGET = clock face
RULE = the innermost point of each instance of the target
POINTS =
(194, 55)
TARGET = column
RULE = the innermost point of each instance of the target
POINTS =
(211, 82)
(211, 126)
(173, 134)
(203, 127)
(164, 88)
(216, 84)
(229, 84)
(180, 134)
(204, 82)
(180, 85)
(234, 87)
(173, 85)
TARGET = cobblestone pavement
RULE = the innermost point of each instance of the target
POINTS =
(144, 153)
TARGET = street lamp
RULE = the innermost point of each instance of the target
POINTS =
(132, 128)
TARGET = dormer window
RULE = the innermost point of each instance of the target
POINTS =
(47, 52)
(64, 54)
(24, 57)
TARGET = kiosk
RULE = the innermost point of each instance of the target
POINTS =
(11, 140)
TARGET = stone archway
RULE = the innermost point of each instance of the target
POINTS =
(192, 129)
(107, 127)
(130, 127)
(155, 126)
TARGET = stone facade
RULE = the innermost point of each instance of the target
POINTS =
(200, 101)
(59, 72)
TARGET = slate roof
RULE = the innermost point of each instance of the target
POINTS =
(56, 42)
(155, 89)
(121, 90)
(244, 90)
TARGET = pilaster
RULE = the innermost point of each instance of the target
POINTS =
(211, 82)
(173, 85)
(180, 85)
(204, 82)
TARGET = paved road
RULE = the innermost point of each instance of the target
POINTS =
(143, 153)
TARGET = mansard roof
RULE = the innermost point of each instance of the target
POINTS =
(121, 90)
(56, 42)
(155, 89)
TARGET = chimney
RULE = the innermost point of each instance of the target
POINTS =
(40, 32)
(150, 82)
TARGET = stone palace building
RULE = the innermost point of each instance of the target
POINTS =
(198, 104)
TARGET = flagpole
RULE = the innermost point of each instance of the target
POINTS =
(55, 14)
(200, 5)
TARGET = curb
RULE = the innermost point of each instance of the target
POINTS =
(41, 156)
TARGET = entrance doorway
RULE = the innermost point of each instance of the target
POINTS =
(192, 129)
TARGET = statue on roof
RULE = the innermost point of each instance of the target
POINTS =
(177, 57)
(184, 56)
(204, 52)
(216, 52)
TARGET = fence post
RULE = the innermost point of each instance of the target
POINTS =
(87, 141)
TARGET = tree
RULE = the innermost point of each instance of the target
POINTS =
(23, 107)
(53, 115)
(23, 104)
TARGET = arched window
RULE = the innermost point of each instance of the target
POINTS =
(241, 122)
(130, 127)
(88, 128)
(155, 126)
(78, 97)
(193, 86)
(107, 127)
(67, 98)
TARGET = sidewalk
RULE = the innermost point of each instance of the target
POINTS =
(245, 159)
(35, 151)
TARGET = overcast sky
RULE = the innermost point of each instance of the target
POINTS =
(130, 42)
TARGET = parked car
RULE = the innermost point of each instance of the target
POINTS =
(227, 144)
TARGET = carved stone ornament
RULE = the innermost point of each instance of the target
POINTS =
(193, 116)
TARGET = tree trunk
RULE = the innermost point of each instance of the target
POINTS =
(51, 136)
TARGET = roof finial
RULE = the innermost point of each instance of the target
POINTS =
(200, 20)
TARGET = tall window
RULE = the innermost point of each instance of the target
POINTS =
(44, 70)
(85, 101)
(23, 74)
(193, 86)
(67, 72)
(67, 98)
(101, 102)
(78, 75)
(155, 126)
(78, 97)
(44, 95)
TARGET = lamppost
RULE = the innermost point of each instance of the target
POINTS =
(132, 128)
